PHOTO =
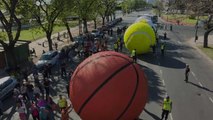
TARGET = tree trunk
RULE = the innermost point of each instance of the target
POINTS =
(206, 34)
(48, 35)
(103, 20)
(95, 24)
(85, 26)
(114, 16)
(107, 18)
(111, 17)
(68, 30)
(80, 26)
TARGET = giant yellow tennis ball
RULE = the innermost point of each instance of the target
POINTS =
(139, 36)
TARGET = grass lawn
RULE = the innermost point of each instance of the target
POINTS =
(183, 18)
(36, 33)
(208, 51)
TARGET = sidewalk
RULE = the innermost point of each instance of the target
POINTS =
(37, 45)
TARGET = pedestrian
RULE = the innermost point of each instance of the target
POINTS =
(153, 49)
(118, 30)
(65, 113)
(36, 92)
(47, 87)
(187, 70)
(30, 91)
(121, 46)
(68, 89)
(49, 70)
(34, 111)
(45, 71)
(43, 113)
(162, 49)
(167, 107)
(51, 103)
(62, 102)
(58, 37)
(171, 27)
(23, 91)
(111, 31)
(21, 109)
(165, 35)
(41, 102)
(56, 45)
(63, 69)
(116, 46)
(25, 75)
(34, 52)
(134, 56)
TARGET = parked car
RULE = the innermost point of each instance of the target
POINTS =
(96, 33)
(50, 57)
(7, 84)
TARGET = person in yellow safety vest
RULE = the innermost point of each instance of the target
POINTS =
(116, 46)
(162, 47)
(167, 107)
(118, 42)
(133, 55)
(62, 102)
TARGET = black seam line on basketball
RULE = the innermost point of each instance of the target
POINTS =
(99, 58)
(133, 96)
(99, 87)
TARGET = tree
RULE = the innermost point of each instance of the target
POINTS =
(139, 4)
(64, 16)
(46, 14)
(202, 7)
(84, 9)
(127, 5)
(159, 7)
(9, 20)
(107, 9)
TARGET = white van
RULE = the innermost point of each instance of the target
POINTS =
(7, 84)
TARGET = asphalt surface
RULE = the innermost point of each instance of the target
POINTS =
(191, 101)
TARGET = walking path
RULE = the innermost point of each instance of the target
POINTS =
(38, 44)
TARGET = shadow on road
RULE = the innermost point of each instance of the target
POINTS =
(164, 61)
(155, 117)
(155, 86)
(204, 88)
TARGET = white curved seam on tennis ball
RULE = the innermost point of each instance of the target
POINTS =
(139, 32)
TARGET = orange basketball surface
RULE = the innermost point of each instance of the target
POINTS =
(108, 86)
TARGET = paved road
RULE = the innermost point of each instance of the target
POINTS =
(193, 100)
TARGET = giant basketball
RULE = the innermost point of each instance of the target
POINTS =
(139, 36)
(108, 86)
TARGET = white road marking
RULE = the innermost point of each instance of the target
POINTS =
(179, 42)
(171, 116)
(193, 74)
(200, 84)
(163, 82)
(182, 58)
(161, 72)
(211, 99)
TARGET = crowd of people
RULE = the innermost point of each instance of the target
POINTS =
(35, 100)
